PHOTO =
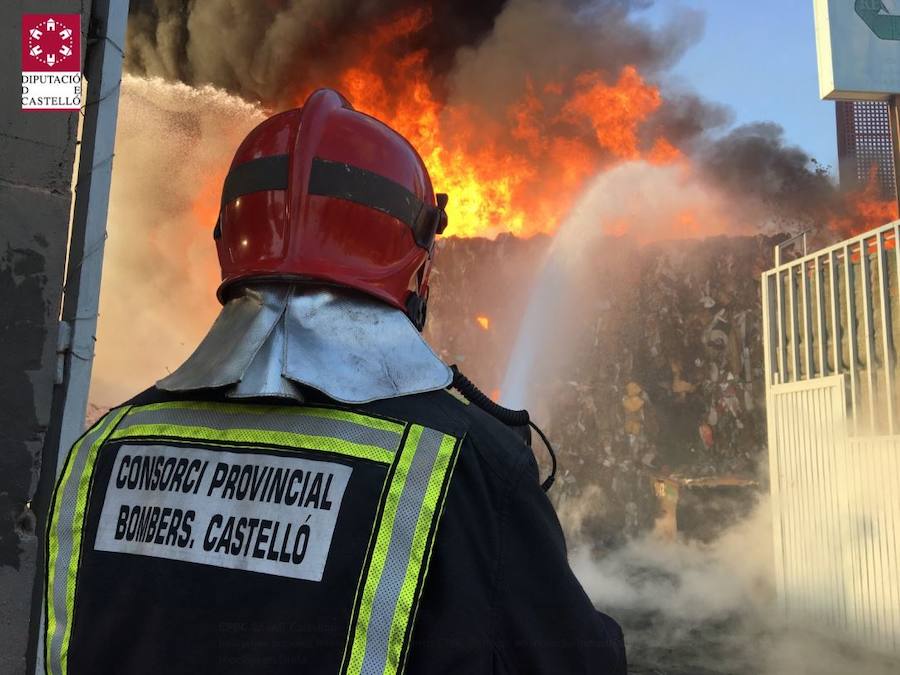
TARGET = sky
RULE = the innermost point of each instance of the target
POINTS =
(759, 58)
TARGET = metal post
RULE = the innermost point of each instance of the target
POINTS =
(781, 353)
(852, 332)
(837, 336)
(794, 319)
(809, 366)
(103, 72)
(887, 345)
(821, 320)
(865, 268)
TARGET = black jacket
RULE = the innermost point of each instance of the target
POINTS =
(499, 596)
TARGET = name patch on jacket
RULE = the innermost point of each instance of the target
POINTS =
(272, 514)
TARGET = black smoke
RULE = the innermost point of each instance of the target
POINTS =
(482, 54)
(755, 163)
(484, 50)
(263, 50)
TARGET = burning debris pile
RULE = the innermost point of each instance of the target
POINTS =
(479, 289)
(663, 377)
(668, 381)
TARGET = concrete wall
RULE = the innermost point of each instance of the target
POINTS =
(37, 151)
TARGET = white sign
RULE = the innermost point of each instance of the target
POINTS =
(858, 47)
(265, 513)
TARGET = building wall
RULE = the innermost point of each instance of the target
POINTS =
(864, 146)
(37, 150)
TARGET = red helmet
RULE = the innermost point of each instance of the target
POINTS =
(327, 193)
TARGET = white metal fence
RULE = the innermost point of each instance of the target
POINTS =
(832, 330)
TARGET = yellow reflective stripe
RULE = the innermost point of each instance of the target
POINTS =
(78, 525)
(241, 408)
(363, 577)
(289, 440)
(432, 508)
(458, 396)
(386, 606)
(53, 549)
(75, 533)
(379, 554)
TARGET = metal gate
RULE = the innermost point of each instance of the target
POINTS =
(832, 328)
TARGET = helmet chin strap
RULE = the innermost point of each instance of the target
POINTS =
(417, 302)
(417, 310)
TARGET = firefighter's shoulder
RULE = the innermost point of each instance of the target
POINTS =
(501, 447)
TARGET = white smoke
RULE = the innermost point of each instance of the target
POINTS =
(642, 201)
(686, 607)
(174, 145)
(700, 608)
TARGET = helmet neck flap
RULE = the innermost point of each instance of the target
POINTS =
(270, 338)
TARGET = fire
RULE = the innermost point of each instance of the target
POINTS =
(612, 112)
(518, 175)
(865, 209)
(519, 168)
(484, 322)
(205, 208)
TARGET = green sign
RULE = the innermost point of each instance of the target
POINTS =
(879, 19)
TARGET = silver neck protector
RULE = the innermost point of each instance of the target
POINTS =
(270, 338)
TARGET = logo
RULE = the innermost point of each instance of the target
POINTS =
(878, 18)
(51, 61)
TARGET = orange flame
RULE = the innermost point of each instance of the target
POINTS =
(519, 174)
(205, 207)
(866, 209)
(613, 112)
(484, 322)
(521, 170)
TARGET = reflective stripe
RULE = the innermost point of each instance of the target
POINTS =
(311, 428)
(400, 545)
(426, 528)
(64, 539)
(387, 600)
(290, 411)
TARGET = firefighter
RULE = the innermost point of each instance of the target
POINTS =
(303, 495)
